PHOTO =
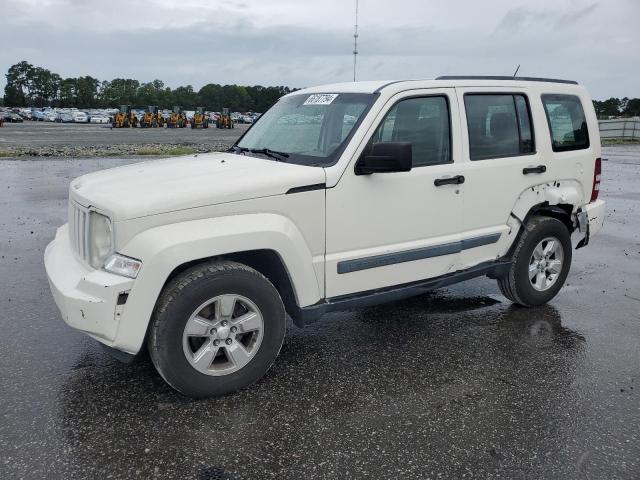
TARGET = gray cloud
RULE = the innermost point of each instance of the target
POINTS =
(289, 42)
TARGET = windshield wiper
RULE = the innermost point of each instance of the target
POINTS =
(279, 156)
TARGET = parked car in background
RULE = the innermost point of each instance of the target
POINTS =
(50, 116)
(37, 115)
(80, 117)
(64, 117)
(100, 118)
(11, 117)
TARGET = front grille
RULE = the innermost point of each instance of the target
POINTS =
(79, 230)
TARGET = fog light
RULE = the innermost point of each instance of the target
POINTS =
(121, 265)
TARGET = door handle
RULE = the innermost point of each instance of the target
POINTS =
(457, 180)
(538, 169)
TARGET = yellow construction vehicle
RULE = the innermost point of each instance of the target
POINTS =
(152, 118)
(125, 118)
(199, 119)
(159, 119)
(224, 119)
(177, 119)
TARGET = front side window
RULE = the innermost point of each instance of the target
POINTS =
(499, 125)
(424, 122)
(567, 122)
(311, 129)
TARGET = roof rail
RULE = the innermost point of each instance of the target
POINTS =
(522, 79)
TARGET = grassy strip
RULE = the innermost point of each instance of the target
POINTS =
(173, 151)
(142, 151)
(620, 141)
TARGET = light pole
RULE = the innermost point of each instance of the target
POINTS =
(355, 43)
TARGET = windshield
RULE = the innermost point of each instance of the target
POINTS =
(311, 129)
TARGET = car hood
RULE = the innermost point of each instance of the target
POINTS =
(161, 186)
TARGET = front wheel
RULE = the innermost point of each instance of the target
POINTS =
(540, 263)
(217, 328)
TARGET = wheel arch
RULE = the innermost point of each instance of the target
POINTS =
(559, 199)
(265, 261)
(562, 212)
(269, 243)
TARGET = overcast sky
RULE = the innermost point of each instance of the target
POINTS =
(308, 42)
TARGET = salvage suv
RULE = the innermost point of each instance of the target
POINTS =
(339, 196)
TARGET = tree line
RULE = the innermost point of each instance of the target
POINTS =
(32, 86)
(617, 107)
(29, 86)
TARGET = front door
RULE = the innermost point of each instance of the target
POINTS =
(388, 229)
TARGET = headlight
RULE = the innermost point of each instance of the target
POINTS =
(100, 239)
(121, 265)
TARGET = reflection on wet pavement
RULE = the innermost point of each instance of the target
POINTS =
(451, 384)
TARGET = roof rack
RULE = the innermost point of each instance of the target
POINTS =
(522, 79)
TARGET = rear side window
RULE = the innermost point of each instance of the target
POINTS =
(499, 125)
(424, 122)
(567, 122)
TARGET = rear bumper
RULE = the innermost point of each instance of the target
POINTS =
(86, 298)
(591, 220)
(595, 212)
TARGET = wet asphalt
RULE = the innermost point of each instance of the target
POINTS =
(455, 384)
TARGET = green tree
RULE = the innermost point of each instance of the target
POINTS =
(607, 108)
(265, 97)
(36, 86)
(68, 92)
(211, 97)
(41, 87)
(120, 91)
(632, 108)
(150, 93)
(86, 92)
(16, 91)
(185, 97)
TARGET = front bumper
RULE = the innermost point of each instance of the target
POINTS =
(86, 298)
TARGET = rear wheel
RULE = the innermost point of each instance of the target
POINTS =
(217, 328)
(541, 263)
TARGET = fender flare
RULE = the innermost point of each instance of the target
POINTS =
(548, 197)
(563, 192)
(163, 249)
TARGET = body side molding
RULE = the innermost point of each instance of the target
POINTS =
(357, 264)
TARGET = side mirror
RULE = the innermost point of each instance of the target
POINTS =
(386, 157)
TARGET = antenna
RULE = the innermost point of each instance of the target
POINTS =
(516, 72)
(355, 43)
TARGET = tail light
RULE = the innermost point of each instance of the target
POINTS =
(597, 173)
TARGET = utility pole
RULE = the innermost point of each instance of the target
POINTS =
(355, 43)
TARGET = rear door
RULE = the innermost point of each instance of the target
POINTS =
(502, 158)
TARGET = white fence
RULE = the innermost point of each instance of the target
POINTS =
(627, 128)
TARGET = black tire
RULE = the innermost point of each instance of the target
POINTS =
(182, 296)
(516, 285)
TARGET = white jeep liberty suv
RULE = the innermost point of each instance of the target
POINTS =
(339, 196)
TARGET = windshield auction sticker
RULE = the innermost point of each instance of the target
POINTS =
(321, 99)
